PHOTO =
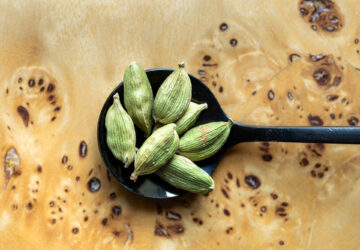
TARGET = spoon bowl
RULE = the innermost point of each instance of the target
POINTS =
(153, 187)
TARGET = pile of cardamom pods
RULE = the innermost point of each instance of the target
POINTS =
(163, 152)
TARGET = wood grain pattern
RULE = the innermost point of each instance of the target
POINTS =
(76, 53)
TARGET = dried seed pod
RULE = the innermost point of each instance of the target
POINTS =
(138, 97)
(173, 97)
(189, 118)
(156, 151)
(205, 140)
(120, 132)
(156, 126)
(182, 173)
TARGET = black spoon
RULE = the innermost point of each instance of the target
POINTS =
(153, 187)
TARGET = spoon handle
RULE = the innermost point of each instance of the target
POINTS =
(339, 135)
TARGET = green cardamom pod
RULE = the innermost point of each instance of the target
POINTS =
(157, 125)
(205, 140)
(182, 173)
(138, 97)
(120, 132)
(156, 151)
(173, 97)
(189, 118)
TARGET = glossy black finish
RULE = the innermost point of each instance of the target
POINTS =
(339, 135)
(153, 187)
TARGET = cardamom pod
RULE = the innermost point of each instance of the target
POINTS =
(182, 173)
(156, 151)
(205, 140)
(189, 118)
(173, 97)
(138, 97)
(157, 125)
(120, 132)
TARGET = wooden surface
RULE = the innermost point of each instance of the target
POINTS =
(82, 49)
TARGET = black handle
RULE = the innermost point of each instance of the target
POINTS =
(340, 135)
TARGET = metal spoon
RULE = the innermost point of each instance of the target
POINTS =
(153, 187)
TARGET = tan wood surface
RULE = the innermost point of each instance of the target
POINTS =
(81, 48)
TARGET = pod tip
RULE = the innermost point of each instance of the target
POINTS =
(133, 177)
(127, 163)
(116, 96)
